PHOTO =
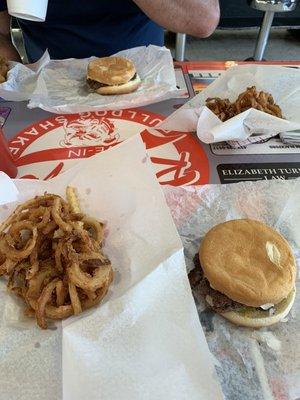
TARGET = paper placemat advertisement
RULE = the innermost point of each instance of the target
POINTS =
(224, 111)
(145, 337)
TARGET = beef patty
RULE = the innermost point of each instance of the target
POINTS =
(94, 85)
(202, 290)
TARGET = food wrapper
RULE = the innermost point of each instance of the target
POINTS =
(21, 79)
(292, 137)
(8, 191)
(262, 364)
(61, 86)
(251, 126)
(145, 340)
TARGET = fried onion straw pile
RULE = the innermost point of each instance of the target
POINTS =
(250, 98)
(51, 254)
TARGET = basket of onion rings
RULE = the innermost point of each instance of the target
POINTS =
(246, 104)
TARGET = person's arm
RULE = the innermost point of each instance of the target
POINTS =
(6, 47)
(194, 17)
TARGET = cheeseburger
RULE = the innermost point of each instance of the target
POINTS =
(112, 75)
(246, 272)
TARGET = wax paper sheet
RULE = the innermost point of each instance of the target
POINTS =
(259, 364)
(145, 341)
(292, 137)
(61, 86)
(21, 79)
(251, 126)
(8, 191)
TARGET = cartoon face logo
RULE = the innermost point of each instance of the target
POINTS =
(89, 132)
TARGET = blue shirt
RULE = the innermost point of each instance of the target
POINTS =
(78, 28)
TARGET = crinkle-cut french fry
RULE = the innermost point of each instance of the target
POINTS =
(73, 199)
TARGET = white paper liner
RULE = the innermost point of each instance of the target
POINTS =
(292, 137)
(8, 191)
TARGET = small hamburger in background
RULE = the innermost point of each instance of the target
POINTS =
(246, 272)
(112, 75)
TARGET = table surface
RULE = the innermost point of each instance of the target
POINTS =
(45, 144)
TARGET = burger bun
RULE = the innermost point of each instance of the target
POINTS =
(258, 319)
(111, 70)
(249, 262)
(125, 88)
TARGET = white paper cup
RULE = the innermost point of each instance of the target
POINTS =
(32, 10)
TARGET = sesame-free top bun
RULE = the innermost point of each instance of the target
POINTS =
(111, 70)
(249, 262)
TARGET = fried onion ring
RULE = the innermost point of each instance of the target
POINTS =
(45, 200)
(6, 265)
(52, 312)
(58, 255)
(56, 214)
(96, 228)
(17, 282)
(15, 230)
(34, 257)
(250, 98)
(100, 293)
(75, 301)
(86, 281)
(44, 298)
(93, 256)
(41, 216)
(61, 293)
(50, 227)
(36, 284)
(60, 312)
